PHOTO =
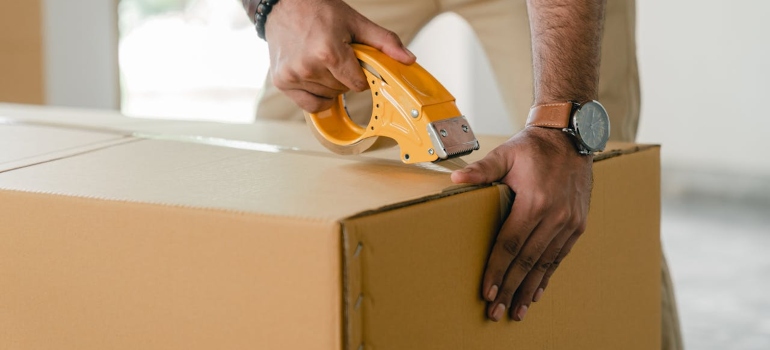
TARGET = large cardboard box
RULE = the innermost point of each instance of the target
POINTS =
(121, 233)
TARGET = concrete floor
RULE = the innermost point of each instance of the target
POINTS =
(718, 248)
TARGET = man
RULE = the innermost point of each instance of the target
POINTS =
(312, 63)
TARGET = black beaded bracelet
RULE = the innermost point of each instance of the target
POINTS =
(260, 16)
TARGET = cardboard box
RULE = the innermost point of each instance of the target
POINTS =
(21, 52)
(136, 234)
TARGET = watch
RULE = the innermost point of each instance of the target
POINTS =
(588, 123)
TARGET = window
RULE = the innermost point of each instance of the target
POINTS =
(190, 59)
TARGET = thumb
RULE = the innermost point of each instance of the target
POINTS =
(368, 33)
(490, 169)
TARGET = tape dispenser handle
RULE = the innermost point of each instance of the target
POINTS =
(400, 96)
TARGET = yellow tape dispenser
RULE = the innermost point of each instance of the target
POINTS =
(408, 105)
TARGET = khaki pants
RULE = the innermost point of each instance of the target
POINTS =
(503, 29)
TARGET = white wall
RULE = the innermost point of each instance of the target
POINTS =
(81, 60)
(705, 70)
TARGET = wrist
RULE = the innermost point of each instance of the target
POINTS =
(557, 143)
(586, 122)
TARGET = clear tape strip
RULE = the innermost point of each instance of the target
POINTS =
(446, 166)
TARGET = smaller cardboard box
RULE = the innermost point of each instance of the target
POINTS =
(134, 234)
(22, 60)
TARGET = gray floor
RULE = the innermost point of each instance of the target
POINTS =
(718, 247)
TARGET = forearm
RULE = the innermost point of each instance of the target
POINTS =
(566, 48)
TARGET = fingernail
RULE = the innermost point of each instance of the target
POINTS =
(521, 312)
(492, 294)
(538, 294)
(498, 312)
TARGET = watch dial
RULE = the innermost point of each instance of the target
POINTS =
(593, 125)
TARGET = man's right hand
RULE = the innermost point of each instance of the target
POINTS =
(311, 59)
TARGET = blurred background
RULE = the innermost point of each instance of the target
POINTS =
(705, 81)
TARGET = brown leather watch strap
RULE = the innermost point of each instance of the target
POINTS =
(550, 115)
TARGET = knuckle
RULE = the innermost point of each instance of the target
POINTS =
(302, 73)
(543, 266)
(539, 245)
(328, 57)
(540, 203)
(563, 216)
(510, 245)
(525, 263)
(360, 85)
(390, 35)
(550, 262)
(554, 255)
(555, 264)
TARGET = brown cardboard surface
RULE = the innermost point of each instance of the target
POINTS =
(168, 242)
(21, 52)
(81, 273)
(420, 271)
(23, 145)
(182, 174)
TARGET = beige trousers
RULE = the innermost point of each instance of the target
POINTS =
(502, 26)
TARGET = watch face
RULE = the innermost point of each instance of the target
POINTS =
(592, 125)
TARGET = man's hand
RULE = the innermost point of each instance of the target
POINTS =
(552, 183)
(310, 53)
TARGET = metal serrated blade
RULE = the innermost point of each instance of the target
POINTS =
(452, 137)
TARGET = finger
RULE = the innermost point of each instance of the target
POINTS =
(525, 262)
(366, 32)
(321, 90)
(493, 167)
(346, 69)
(335, 66)
(512, 237)
(312, 97)
(309, 102)
(525, 295)
(309, 76)
(555, 264)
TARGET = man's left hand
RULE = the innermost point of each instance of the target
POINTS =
(552, 183)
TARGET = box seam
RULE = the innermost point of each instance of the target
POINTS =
(175, 206)
(124, 140)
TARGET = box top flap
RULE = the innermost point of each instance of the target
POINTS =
(24, 145)
(269, 168)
